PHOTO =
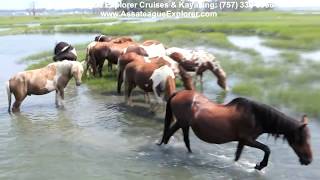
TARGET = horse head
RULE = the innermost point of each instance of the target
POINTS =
(299, 140)
(219, 73)
(77, 71)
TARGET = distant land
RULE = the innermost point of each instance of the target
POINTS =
(26, 12)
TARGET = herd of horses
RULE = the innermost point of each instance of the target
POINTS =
(155, 68)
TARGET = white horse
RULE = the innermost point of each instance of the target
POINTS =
(53, 77)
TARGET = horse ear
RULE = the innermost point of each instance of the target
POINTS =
(304, 119)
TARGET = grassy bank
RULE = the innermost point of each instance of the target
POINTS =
(284, 30)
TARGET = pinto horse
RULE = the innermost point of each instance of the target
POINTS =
(240, 120)
(53, 77)
(198, 62)
(154, 76)
(64, 51)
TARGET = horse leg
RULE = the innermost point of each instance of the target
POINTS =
(16, 105)
(128, 89)
(185, 131)
(100, 67)
(93, 64)
(264, 148)
(239, 150)
(174, 128)
(201, 82)
(146, 97)
(60, 97)
(120, 80)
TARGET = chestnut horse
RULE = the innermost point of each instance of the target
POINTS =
(153, 77)
(199, 61)
(240, 120)
(64, 51)
(53, 77)
(134, 57)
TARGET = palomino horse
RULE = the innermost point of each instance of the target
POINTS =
(198, 61)
(54, 76)
(154, 76)
(107, 50)
(64, 51)
(240, 120)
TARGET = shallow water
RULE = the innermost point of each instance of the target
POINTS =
(254, 42)
(97, 137)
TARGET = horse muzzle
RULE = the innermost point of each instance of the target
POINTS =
(78, 83)
(305, 161)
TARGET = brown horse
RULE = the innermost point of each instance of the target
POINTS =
(198, 62)
(107, 50)
(99, 38)
(154, 76)
(122, 63)
(240, 120)
(134, 57)
(53, 77)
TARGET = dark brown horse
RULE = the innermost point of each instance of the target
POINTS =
(240, 120)
(64, 51)
(103, 38)
(100, 51)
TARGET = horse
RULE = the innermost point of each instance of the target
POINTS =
(153, 77)
(198, 62)
(153, 48)
(53, 77)
(102, 38)
(64, 51)
(127, 58)
(241, 120)
(107, 50)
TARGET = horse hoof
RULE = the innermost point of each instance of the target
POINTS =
(258, 167)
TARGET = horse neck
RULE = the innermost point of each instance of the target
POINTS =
(186, 78)
(64, 67)
(170, 87)
(276, 123)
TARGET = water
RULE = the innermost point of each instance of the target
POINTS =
(254, 42)
(97, 137)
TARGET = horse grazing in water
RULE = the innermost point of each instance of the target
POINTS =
(64, 51)
(240, 120)
(198, 62)
(153, 76)
(54, 76)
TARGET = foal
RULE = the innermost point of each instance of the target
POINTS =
(53, 77)
(241, 120)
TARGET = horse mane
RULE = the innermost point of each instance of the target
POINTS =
(271, 120)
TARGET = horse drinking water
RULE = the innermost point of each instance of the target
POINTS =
(240, 120)
(54, 76)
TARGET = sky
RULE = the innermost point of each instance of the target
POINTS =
(65, 4)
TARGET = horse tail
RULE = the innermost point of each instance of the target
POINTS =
(9, 95)
(168, 119)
